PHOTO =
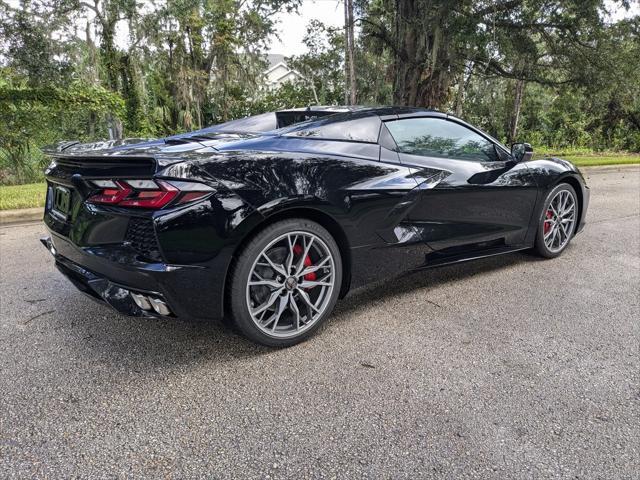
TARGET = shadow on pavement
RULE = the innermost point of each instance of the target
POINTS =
(139, 344)
(427, 279)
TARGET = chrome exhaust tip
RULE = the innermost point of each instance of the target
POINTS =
(141, 301)
(159, 306)
(150, 303)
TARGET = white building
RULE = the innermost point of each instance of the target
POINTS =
(278, 73)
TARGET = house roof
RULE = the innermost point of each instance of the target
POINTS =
(274, 59)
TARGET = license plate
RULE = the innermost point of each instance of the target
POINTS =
(61, 201)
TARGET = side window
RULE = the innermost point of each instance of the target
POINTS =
(436, 137)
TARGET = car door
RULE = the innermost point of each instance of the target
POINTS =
(482, 197)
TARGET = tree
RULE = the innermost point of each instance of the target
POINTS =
(432, 41)
(322, 65)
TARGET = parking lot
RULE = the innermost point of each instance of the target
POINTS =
(509, 367)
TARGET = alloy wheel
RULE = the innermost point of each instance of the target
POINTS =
(290, 284)
(559, 221)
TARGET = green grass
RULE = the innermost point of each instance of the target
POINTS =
(22, 196)
(594, 160)
(586, 158)
(33, 195)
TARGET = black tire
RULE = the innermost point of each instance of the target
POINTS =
(540, 247)
(244, 263)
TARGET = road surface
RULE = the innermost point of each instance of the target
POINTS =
(510, 367)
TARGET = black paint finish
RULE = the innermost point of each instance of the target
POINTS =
(389, 211)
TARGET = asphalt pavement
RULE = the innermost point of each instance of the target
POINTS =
(509, 367)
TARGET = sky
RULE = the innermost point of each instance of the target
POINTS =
(292, 28)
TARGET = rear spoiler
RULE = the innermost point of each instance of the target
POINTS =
(59, 147)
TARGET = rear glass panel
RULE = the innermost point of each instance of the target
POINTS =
(363, 127)
(256, 123)
(267, 121)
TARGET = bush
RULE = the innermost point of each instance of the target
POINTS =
(19, 167)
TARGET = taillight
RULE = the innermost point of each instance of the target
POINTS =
(147, 193)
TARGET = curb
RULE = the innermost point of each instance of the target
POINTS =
(23, 215)
(609, 168)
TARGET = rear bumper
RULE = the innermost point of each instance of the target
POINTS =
(110, 276)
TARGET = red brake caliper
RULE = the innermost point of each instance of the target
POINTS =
(297, 249)
(547, 224)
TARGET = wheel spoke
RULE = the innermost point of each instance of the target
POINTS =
(555, 235)
(305, 252)
(266, 283)
(292, 254)
(275, 318)
(314, 268)
(563, 202)
(295, 310)
(561, 235)
(550, 232)
(569, 211)
(324, 282)
(308, 284)
(564, 230)
(307, 300)
(277, 268)
(272, 299)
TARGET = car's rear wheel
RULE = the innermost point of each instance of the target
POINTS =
(285, 282)
(557, 221)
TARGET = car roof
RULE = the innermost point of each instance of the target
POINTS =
(268, 121)
(356, 123)
(359, 124)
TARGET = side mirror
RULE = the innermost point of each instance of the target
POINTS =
(522, 152)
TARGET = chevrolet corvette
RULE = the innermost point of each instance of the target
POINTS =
(269, 221)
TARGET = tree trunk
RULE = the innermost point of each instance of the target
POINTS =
(423, 55)
(115, 127)
(457, 107)
(93, 78)
(463, 83)
(346, 52)
(110, 60)
(351, 48)
(515, 114)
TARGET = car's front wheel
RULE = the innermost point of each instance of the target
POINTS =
(557, 221)
(285, 282)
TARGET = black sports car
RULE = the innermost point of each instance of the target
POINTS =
(271, 228)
